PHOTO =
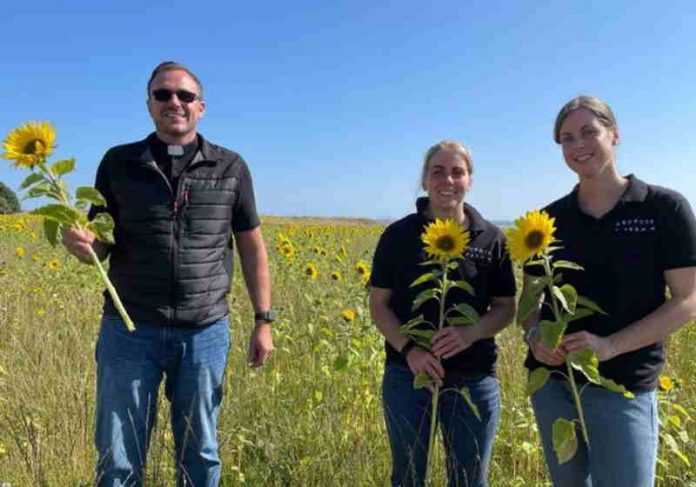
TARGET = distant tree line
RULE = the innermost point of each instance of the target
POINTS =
(8, 201)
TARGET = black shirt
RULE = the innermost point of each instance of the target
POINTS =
(171, 166)
(486, 267)
(624, 255)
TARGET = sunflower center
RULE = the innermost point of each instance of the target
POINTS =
(534, 239)
(445, 243)
(32, 147)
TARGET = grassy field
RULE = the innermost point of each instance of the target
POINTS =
(312, 417)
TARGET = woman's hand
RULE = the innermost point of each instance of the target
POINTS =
(422, 361)
(574, 342)
(545, 354)
(453, 339)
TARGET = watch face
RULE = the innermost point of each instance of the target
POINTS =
(265, 316)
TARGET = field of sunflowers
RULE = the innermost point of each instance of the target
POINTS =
(311, 417)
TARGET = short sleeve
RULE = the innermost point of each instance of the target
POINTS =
(501, 276)
(244, 216)
(382, 275)
(677, 237)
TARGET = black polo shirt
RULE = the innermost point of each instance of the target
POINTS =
(486, 267)
(624, 255)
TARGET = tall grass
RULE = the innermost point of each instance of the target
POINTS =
(311, 417)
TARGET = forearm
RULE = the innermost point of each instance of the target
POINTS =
(497, 318)
(254, 263)
(656, 326)
(388, 324)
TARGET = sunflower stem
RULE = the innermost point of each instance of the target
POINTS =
(434, 406)
(112, 290)
(571, 375)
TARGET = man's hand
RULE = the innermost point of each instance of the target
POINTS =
(260, 345)
(574, 342)
(451, 340)
(545, 354)
(78, 243)
(420, 360)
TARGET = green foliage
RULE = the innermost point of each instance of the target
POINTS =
(564, 439)
(8, 201)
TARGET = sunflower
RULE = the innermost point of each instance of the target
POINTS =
(53, 264)
(336, 276)
(30, 144)
(531, 235)
(666, 383)
(445, 239)
(362, 269)
(348, 314)
(311, 271)
(286, 250)
(20, 252)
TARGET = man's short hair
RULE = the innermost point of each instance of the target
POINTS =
(173, 66)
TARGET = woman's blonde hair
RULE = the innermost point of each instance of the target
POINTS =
(452, 145)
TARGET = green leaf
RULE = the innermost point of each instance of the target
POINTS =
(91, 195)
(422, 341)
(452, 265)
(38, 190)
(674, 448)
(464, 392)
(467, 311)
(412, 323)
(565, 442)
(341, 363)
(63, 167)
(681, 410)
(427, 334)
(554, 248)
(586, 361)
(464, 285)
(60, 213)
(103, 227)
(529, 299)
(537, 380)
(423, 297)
(459, 321)
(614, 387)
(579, 314)
(33, 178)
(551, 332)
(429, 276)
(51, 231)
(571, 297)
(588, 303)
(421, 380)
(566, 264)
(560, 297)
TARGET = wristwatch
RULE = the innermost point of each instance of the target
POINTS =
(531, 333)
(266, 316)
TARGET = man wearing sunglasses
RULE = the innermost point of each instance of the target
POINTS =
(178, 202)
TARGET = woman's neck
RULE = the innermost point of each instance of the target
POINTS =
(598, 196)
(457, 214)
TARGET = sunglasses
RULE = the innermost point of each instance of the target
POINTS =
(164, 95)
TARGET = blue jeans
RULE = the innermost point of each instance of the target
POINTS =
(130, 367)
(468, 442)
(623, 436)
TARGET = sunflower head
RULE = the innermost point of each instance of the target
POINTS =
(666, 383)
(531, 235)
(445, 239)
(311, 271)
(348, 314)
(30, 144)
(286, 249)
(362, 269)
(53, 264)
(336, 276)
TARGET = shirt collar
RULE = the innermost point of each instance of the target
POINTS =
(476, 222)
(636, 191)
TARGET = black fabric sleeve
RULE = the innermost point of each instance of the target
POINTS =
(677, 237)
(103, 185)
(382, 275)
(244, 215)
(501, 277)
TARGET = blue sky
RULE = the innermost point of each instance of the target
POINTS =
(334, 103)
